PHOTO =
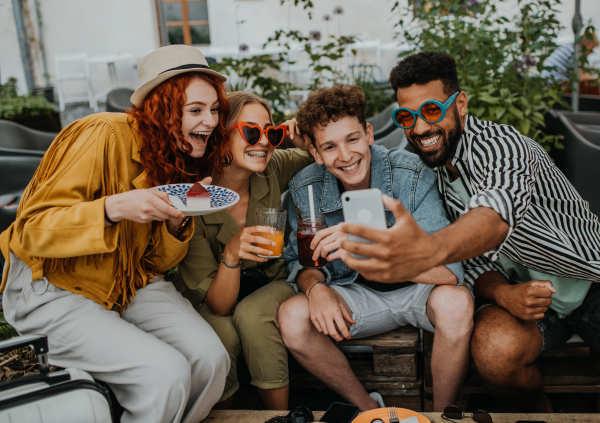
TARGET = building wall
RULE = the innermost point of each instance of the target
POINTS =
(94, 27)
(130, 28)
(10, 55)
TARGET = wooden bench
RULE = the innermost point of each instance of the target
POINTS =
(387, 363)
(246, 416)
(570, 369)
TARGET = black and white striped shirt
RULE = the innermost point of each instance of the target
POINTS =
(552, 229)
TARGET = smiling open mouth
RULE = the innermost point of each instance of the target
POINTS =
(257, 154)
(428, 142)
(201, 137)
(351, 167)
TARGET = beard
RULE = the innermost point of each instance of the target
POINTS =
(450, 140)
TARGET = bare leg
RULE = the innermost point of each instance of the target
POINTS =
(275, 399)
(318, 354)
(450, 311)
(504, 350)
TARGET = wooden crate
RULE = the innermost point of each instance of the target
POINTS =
(570, 369)
(393, 353)
(387, 363)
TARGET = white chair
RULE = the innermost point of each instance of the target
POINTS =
(73, 70)
(364, 60)
(294, 99)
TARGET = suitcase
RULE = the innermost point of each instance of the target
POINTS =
(64, 396)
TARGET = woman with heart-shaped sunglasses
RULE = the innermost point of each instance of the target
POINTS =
(238, 291)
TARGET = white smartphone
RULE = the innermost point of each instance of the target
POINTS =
(364, 207)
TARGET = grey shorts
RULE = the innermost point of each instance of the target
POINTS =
(378, 312)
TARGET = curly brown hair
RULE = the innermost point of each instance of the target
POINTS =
(159, 122)
(331, 104)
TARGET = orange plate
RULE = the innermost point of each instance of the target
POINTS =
(382, 413)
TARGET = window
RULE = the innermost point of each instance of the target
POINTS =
(183, 21)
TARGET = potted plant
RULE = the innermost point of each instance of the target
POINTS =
(32, 110)
(499, 59)
(47, 91)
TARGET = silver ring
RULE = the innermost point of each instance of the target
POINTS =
(34, 292)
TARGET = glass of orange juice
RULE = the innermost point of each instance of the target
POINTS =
(274, 218)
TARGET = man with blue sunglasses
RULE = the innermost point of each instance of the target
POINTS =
(529, 243)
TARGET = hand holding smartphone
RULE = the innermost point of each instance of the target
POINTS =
(364, 207)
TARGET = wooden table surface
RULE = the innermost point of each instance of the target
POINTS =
(252, 416)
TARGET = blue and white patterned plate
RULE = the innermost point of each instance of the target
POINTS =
(220, 198)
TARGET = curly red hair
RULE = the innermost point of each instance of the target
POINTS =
(159, 122)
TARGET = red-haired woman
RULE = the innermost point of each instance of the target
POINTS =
(86, 253)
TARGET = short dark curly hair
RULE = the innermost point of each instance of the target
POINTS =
(424, 67)
(331, 104)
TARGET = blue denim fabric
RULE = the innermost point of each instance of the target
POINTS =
(397, 173)
(584, 321)
(586, 318)
(555, 331)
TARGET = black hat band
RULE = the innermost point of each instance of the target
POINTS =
(191, 66)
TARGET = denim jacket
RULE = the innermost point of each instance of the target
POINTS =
(397, 173)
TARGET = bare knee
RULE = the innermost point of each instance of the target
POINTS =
(502, 345)
(450, 309)
(294, 322)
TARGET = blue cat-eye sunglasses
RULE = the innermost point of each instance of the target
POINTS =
(431, 111)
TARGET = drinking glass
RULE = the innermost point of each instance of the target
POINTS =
(274, 218)
(308, 227)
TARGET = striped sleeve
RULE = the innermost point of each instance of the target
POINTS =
(477, 266)
(506, 174)
(552, 229)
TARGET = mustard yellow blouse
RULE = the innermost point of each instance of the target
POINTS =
(59, 231)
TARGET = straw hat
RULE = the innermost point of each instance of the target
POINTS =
(165, 63)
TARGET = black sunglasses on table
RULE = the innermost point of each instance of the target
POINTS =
(299, 414)
(454, 412)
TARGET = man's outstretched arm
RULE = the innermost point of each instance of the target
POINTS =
(439, 275)
(404, 251)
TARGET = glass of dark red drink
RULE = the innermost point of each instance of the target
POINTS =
(307, 229)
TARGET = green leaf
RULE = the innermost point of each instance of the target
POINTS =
(516, 112)
(500, 112)
(525, 127)
(488, 99)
